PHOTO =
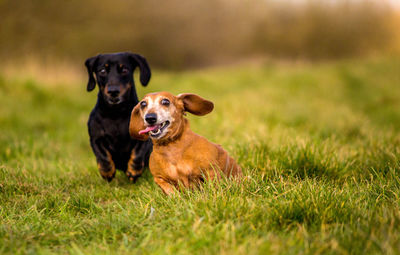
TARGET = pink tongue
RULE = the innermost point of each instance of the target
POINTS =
(148, 129)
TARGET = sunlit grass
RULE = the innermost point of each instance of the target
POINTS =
(319, 146)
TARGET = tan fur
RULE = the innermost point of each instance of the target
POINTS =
(107, 173)
(122, 89)
(131, 171)
(181, 157)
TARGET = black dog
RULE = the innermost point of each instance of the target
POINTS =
(109, 120)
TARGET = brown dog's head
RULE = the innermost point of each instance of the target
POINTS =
(160, 115)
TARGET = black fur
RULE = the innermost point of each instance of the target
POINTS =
(108, 123)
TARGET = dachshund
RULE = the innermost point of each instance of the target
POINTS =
(108, 124)
(180, 158)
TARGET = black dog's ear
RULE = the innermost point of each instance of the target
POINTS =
(145, 73)
(90, 64)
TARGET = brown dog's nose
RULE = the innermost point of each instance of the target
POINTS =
(151, 118)
(113, 91)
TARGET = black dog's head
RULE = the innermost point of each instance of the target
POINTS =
(114, 74)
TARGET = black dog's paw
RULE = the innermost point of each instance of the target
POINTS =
(133, 175)
(107, 176)
(108, 179)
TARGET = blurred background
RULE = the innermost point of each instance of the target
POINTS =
(177, 35)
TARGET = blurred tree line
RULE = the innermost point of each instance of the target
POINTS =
(185, 34)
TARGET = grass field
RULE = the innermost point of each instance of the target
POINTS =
(319, 145)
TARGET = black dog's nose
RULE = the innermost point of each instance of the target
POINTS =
(151, 118)
(113, 91)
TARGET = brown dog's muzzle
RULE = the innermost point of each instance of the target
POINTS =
(151, 118)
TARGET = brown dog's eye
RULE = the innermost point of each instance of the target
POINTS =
(165, 102)
(143, 104)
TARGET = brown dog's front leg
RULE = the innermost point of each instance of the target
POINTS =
(165, 186)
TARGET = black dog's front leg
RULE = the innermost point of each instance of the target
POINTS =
(138, 160)
(105, 162)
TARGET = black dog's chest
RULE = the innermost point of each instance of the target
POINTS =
(112, 135)
(117, 135)
(120, 144)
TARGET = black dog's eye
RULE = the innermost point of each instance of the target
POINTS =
(124, 71)
(143, 104)
(165, 102)
(103, 71)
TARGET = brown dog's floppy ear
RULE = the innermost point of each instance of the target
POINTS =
(90, 63)
(145, 72)
(136, 124)
(195, 104)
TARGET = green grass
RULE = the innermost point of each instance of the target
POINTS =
(319, 146)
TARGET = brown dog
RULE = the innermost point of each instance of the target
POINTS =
(180, 157)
